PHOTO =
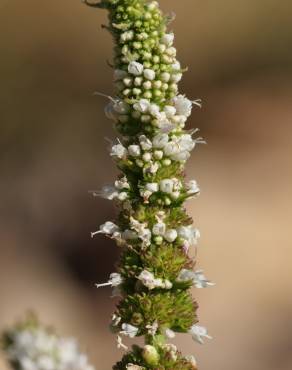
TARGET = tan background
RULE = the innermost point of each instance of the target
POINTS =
(53, 151)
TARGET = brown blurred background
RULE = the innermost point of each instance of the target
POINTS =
(53, 56)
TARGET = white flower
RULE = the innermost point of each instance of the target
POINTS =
(169, 111)
(129, 330)
(134, 150)
(171, 349)
(153, 168)
(179, 147)
(186, 142)
(152, 187)
(192, 360)
(148, 279)
(198, 333)
(170, 235)
(145, 236)
(189, 234)
(196, 277)
(119, 151)
(145, 194)
(114, 280)
(142, 231)
(135, 68)
(171, 148)
(108, 192)
(183, 105)
(145, 143)
(154, 110)
(167, 39)
(122, 183)
(152, 328)
(166, 186)
(159, 229)
(181, 156)
(107, 228)
(192, 187)
(160, 141)
(163, 123)
(201, 281)
(122, 196)
(142, 105)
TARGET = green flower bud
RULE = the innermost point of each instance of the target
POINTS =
(150, 355)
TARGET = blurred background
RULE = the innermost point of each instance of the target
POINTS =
(53, 57)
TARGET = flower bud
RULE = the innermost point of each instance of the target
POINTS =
(147, 157)
(138, 81)
(166, 186)
(134, 150)
(149, 74)
(135, 68)
(165, 77)
(170, 235)
(158, 154)
(168, 39)
(159, 229)
(147, 85)
(150, 355)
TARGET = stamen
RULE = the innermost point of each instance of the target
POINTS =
(103, 284)
(104, 95)
(197, 102)
(95, 233)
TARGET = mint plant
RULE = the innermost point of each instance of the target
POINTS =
(155, 273)
(153, 230)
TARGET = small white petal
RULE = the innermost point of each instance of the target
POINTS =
(135, 68)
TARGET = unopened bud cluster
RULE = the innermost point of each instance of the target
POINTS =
(155, 272)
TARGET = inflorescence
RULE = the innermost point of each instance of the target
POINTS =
(155, 272)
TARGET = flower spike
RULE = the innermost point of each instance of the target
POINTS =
(155, 273)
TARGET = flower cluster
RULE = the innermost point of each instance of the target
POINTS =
(155, 272)
(29, 346)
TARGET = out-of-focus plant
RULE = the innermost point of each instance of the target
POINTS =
(31, 346)
(155, 272)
